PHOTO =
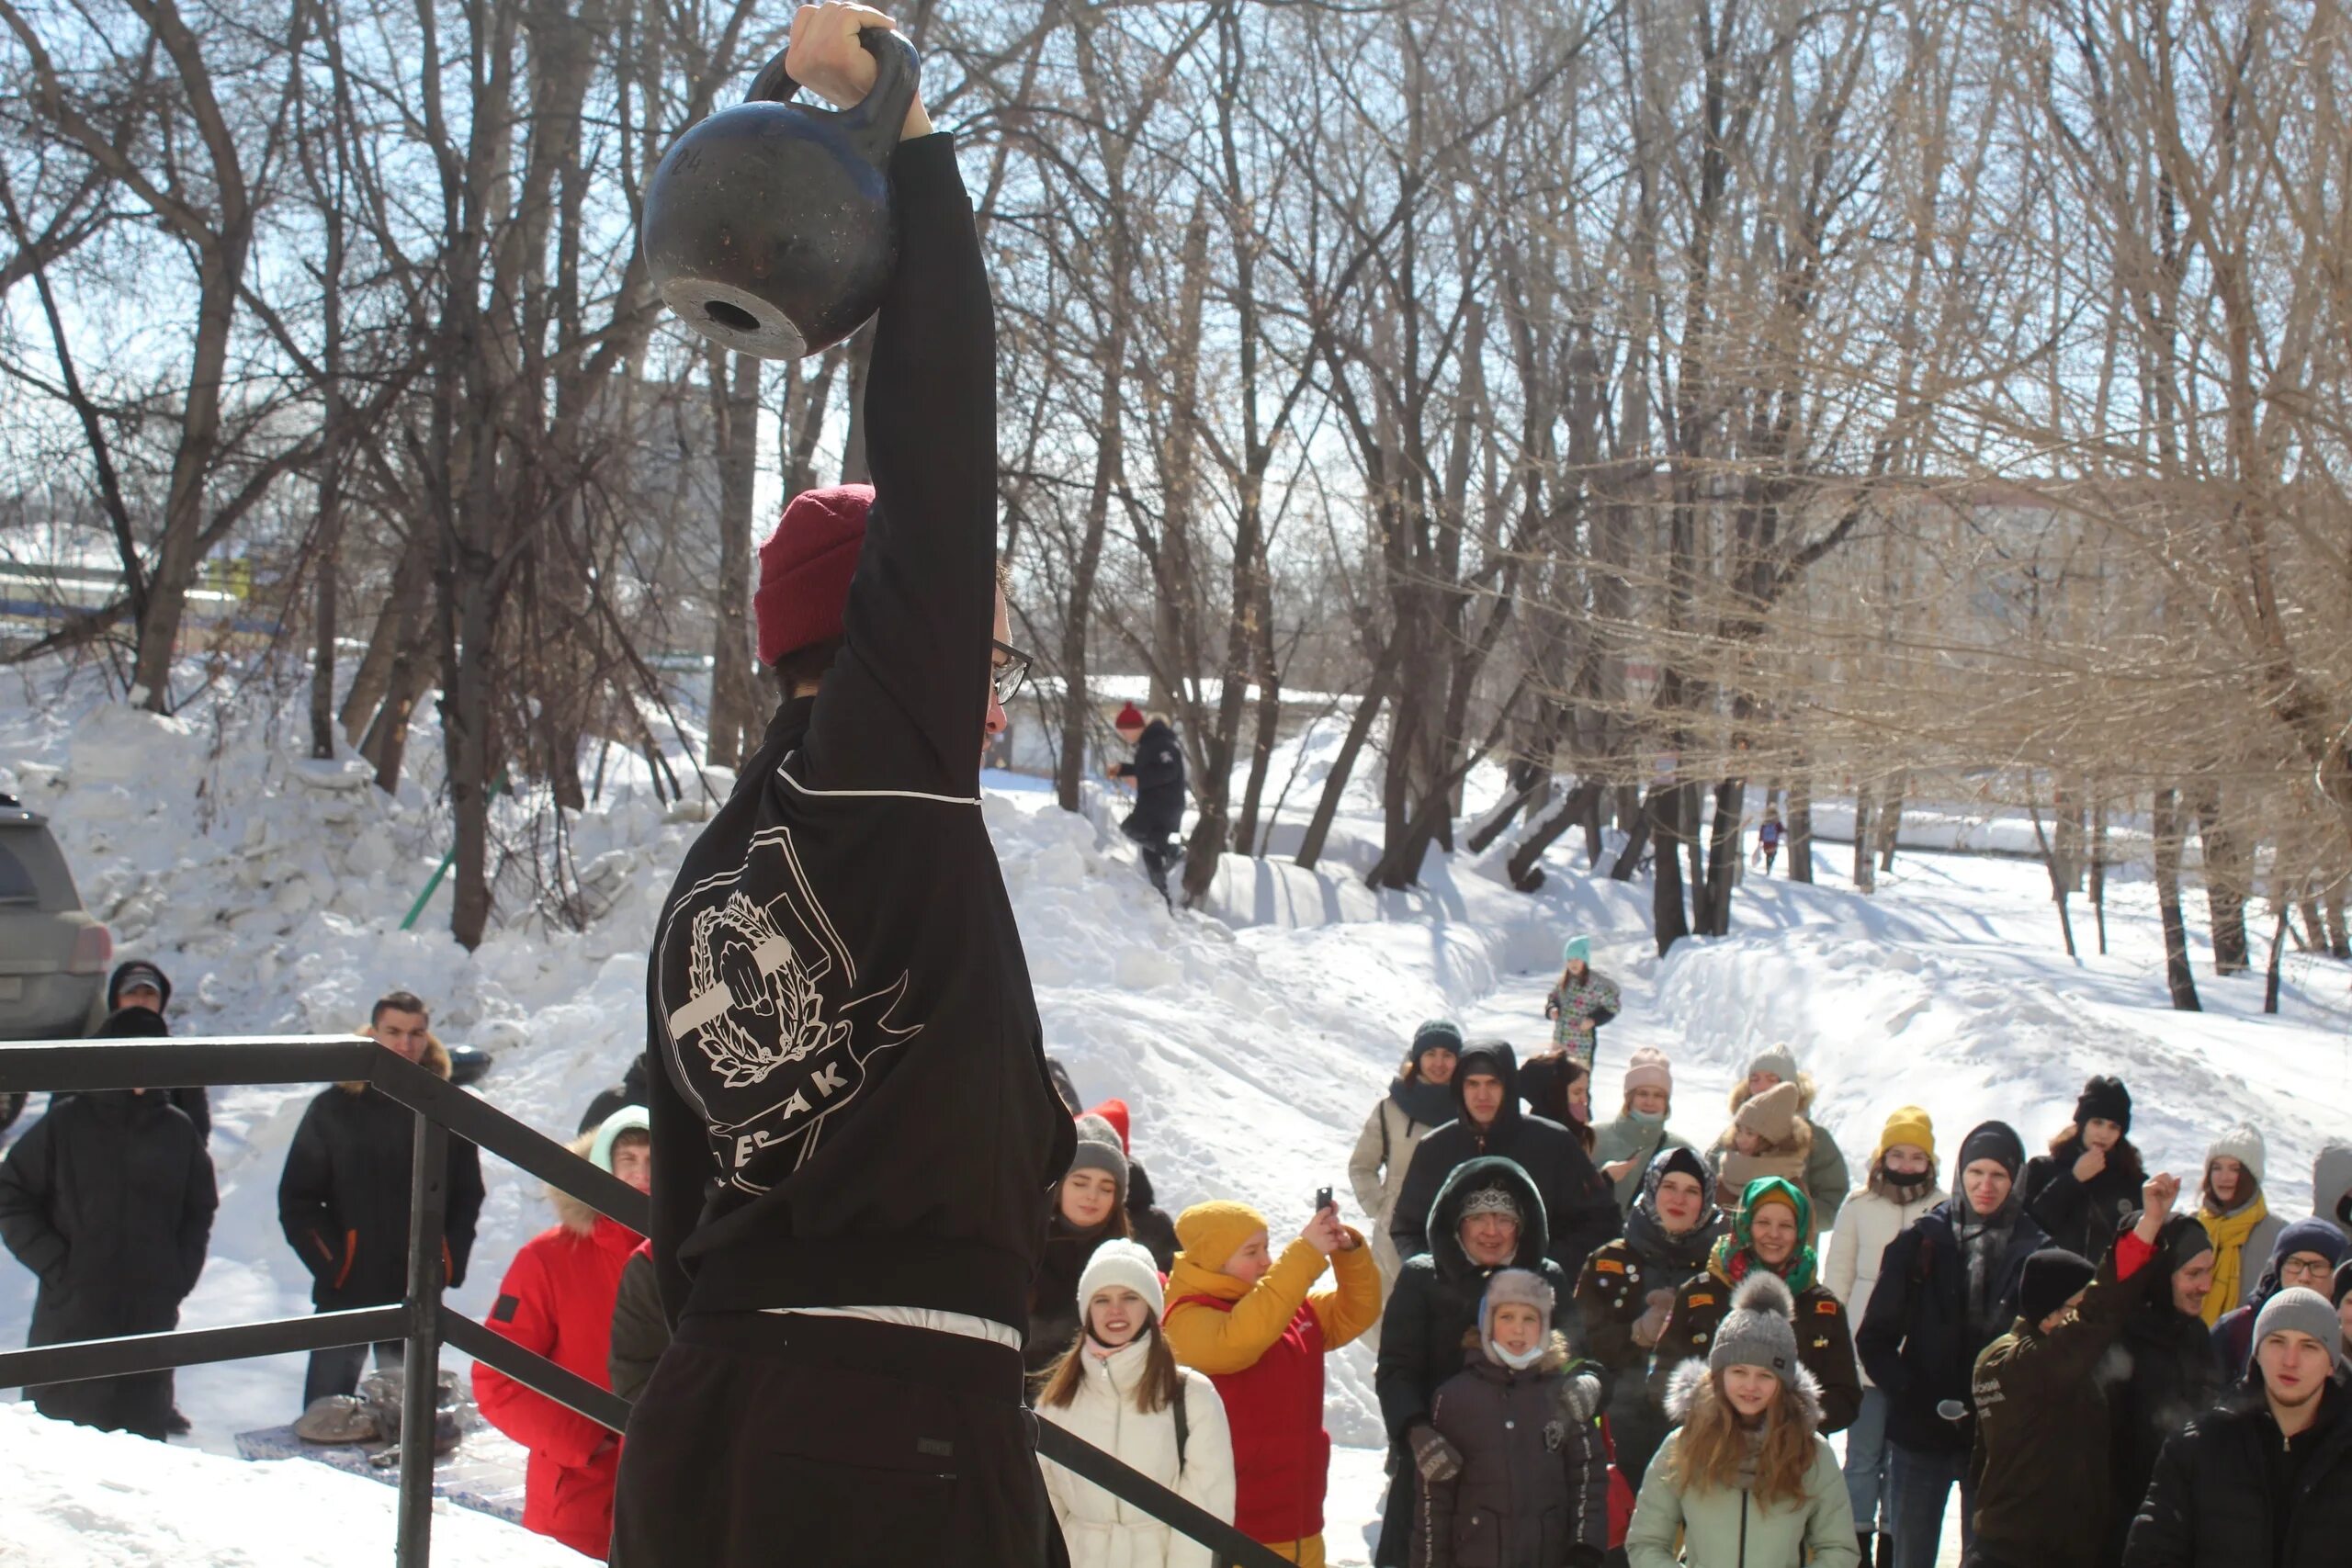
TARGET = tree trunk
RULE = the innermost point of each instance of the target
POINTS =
(1668, 921)
(2278, 942)
(1865, 823)
(734, 691)
(2226, 884)
(1889, 826)
(1800, 826)
(2339, 937)
(1492, 826)
(1269, 716)
(1335, 784)
(399, 622)
(1526, 875)
(2098, 869)
(2178, 978)
(1722, 855)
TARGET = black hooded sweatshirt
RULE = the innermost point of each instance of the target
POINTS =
(1158, 773)
(852, 1107)
(1579, 1202)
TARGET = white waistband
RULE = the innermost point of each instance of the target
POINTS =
(930, 1318)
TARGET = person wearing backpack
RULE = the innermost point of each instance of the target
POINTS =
(1120, 1388)
(1421, 1098)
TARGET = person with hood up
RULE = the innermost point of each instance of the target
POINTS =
(1582, 1000)
(1628, 1287)
(2306, 1253)
(1558, 1087)
(342, 1198)
(2161, 1375)
(1577, 1205)
(1767, 1235)
(108, 1201)
(557, 1301)
(1089, 1208)
(1947, 1288)
(1255, 1325)
(1157, 773)
(1825, 1176)
(1625, 1146)
(1746, 1480)
(2080, 1191)
(2043, 1424)
(1420, 1098)
(2264, 1479)
(2237, 1216)
(1488, 1217)
(140, 983)
(1769, 1139)
(854, 1133)
(1902, 1188)
(2332, 1184)
(1120, 1388)
(1517, 1475)
(1147, 1222)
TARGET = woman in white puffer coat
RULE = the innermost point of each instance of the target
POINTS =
(1120, 1388)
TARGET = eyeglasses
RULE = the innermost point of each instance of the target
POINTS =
(1008, 672)
(2295, 1269)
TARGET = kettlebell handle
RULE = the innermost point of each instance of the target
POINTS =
(873, 124)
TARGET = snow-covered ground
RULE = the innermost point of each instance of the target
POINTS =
(1250, 1041)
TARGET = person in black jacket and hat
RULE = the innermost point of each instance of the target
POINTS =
(2160, 1374)
(2081, 1190)
(1579, 1202)
(1157, 772)
(109, 1200)
(854, 1132)
(2264, 1479)
(1947, 1288)
(137, 983)
(1488, 1217)
(342, 1198)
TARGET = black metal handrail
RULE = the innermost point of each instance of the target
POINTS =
(421, 1318)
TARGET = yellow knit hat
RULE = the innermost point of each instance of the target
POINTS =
(1211, 1232)
(1908, 1125)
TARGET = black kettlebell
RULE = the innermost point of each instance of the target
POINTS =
(767, 227)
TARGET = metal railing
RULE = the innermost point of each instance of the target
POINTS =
(422, 1319)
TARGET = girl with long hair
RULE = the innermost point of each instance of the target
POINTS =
(2088, 1184)
(1746, 1480)
(1089, 1208)
(1120, 1388)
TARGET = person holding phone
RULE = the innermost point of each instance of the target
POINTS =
(1257, 1326)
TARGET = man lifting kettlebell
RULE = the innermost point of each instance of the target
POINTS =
(854, 1130)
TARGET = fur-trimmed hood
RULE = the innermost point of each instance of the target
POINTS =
(1690, 1384)
(436, 1062)
(570, 1212)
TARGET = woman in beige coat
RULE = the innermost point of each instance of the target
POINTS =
(1421, 1097)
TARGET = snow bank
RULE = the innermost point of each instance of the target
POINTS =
(103, 1500)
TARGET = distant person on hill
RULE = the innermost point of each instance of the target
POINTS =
(1089, 1208)
(1581, 1001)
(1248, 1320)
(1624, 1145)
(1513, 1469)
(1768, 838)
(1578, 1204)
(1628, 1287)
(1825, 1176)
(2162, 1375)
(2237, 1216)
(2332, 1184)
(2306, 1253)
(1488, 1217)
(108, 1201)
(1901, 1190)
(1119, 1388)
(1420, 1098)
(557, 1300)
(1947, 1288)
(1156, 770)
(2080, 1191)
(342, 1198)
(2264, 1479)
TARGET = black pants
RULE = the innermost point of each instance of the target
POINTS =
(1161, 850)
(767, 1440)
(337, 1370)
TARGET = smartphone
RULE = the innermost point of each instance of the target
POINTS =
(1322, 1198)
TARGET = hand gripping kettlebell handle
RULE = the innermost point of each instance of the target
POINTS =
(873, 124)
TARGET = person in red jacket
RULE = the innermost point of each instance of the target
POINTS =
(1245, 1318)
(557, 1300)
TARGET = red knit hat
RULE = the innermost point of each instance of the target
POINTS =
(1130, 717)
(805, 566)
(1114, 1111)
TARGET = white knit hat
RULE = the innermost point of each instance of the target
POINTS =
(1118, 1262)
(2243, 1143)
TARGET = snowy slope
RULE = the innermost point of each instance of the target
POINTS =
(1250, 1044)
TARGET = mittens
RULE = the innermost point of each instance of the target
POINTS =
(1432, 1455)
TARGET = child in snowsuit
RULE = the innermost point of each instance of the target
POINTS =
(109, 1200)
(557, 1301)
(1120, 1388)
(1245, 1317)
(1517, 1475)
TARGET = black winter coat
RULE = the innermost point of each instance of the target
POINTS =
(1154, 1231)
(2225, 1494)
(1915, 1342)
(1579, 1206)
(2083, 1217)
(640, 1333)
(342, 1200)
(1433, 1306)
(1158, 775)
(1053, 1295)
(1534, 1481)
(2159, 1378)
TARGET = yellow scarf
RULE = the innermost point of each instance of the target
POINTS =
(2229, 1233)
